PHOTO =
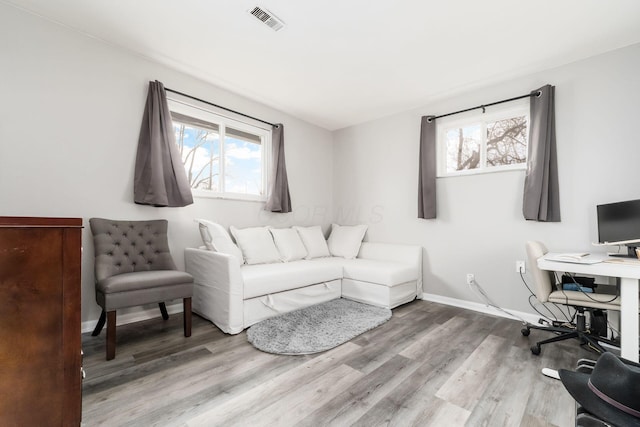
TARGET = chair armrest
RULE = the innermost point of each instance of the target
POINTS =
(218, 291)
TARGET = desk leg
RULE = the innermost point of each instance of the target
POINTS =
(629, 318)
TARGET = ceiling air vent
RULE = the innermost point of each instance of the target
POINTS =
(268, 18)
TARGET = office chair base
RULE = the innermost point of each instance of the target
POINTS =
(563, 333)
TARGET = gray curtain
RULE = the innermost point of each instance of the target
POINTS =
(159, 178)
(427, 171)
(279, 198)
(541, 193)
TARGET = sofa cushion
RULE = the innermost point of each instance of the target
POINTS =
(216, 238)
(314, 242)
(289, 245)
(345, 240)
(256, 244)
(264, 279)
(380, 272)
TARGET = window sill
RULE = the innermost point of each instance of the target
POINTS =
(229, 196)
(519, 168)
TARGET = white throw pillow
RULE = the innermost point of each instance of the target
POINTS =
(345, 240)
(288, 243)
(256, 244)
(216, 238)
(314, 242)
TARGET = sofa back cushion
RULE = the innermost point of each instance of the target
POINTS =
(313, 241)
(289, 244)
(256, 244)
(345, 240)
(216, 238)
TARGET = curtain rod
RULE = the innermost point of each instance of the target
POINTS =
(483, 106)
(220, 106)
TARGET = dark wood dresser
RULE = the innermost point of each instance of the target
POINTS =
(40, 345)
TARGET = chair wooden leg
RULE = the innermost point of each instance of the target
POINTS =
(100, 325)
(111, 335)
(163, 310)
(186, 302)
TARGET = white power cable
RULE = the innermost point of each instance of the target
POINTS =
(477, 289)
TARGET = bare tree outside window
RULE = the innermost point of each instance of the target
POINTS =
(223, 157)
(507, 141)
(485, 145)
(200, 153)
(463, 148)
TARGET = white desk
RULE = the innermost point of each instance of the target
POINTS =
(629, 274)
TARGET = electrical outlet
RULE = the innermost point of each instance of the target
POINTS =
(520, 267)
(470, 278)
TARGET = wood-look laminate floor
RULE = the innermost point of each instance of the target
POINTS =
(430, 365)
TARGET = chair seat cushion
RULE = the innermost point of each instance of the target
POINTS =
(603, 301)
(143, 280)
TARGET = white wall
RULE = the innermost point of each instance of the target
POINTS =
(480, 228)
(70, 114)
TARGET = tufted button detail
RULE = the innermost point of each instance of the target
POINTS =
(110, 253)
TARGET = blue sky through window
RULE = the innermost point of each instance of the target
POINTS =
(200, 152)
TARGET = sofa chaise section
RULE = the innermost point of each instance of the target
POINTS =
(384, 274)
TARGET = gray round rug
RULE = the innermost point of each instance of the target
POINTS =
(316, 328)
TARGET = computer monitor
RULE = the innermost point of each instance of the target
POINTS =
(619, 224)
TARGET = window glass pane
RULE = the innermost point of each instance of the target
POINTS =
(200, 152)
(243, 163)
(507, 141)
(463, 148)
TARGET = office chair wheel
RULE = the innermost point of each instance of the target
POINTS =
(535, 349)
(525, 331)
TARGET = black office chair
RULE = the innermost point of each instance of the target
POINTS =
(581, 302)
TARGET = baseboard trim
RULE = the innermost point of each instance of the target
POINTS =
(136, 315)
(151, 313)
(482, 308)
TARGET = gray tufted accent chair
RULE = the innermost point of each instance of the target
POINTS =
(133, 266)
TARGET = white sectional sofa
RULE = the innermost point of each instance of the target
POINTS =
(234, 296)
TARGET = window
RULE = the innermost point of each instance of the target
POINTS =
(483, 143)
(222, 157)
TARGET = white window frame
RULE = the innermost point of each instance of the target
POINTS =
(223, 121)
(472, 118)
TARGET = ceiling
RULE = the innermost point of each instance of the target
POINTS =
(342, 62)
